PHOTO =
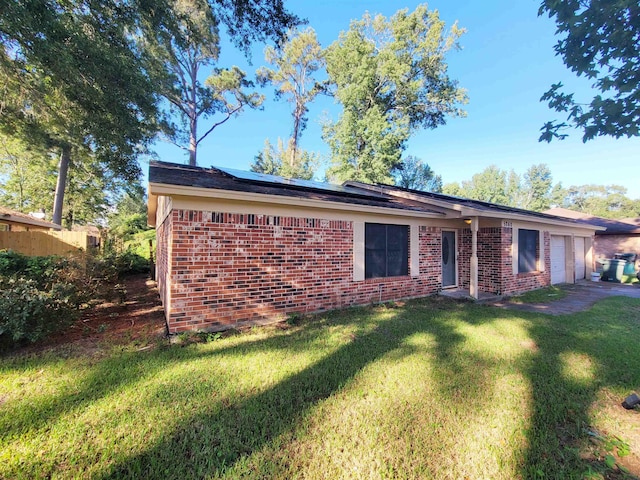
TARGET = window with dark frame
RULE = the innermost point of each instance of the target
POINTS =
(528, 250)
(386, 250)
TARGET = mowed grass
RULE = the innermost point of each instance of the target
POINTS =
(542, 295)
(427, 389)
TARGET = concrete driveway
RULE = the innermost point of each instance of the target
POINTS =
(580, 296)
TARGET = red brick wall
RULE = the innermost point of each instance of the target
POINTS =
(232, 269)
(464, 257)
(522, 282)
(606, 246)
(495, 265)
(491, 258)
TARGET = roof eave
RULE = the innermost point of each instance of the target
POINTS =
(30, 221)
(152, 207)
(157, 189)
(467, 211)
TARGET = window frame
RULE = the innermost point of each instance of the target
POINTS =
(384, 248)
(526, 262)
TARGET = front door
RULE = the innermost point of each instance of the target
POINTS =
(448, 259)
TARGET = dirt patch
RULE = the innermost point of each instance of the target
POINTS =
(625, 424)
(138, 318)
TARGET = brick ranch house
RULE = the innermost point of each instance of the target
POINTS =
(237, 248)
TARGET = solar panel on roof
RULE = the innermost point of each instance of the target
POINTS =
(298, 183)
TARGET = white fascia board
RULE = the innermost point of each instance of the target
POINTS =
(457, 210)
(180, 190)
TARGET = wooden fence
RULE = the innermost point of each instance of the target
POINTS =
(36, 243)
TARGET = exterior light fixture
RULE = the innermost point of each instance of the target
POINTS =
(467, 221)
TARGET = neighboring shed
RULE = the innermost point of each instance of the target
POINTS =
(619, 236)
(13, 221)
(237, 248)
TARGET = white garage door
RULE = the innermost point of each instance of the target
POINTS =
(558, 273)
(580, 263)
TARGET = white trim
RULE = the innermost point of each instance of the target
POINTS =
(414, 252)
(455, 254)
(541, 252)
(157, 189)
(515, 254)
(457, 210)
(514, 249)
(358, 251)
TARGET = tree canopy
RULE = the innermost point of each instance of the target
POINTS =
(534, 191)
(276, 160)
(608, 201)
(179, 54)
(391, 79)
(413, 173)
(600, 40)
(75, 80)
(295, 63)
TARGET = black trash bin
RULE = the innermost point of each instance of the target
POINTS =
(613, 269)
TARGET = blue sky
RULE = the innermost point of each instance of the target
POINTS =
(506, 63)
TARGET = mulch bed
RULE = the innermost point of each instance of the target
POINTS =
(139, 318)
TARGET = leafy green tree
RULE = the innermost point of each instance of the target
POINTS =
(414, 174)
(295, 62)
(557, 195)
(599, 40)
(514, 190)
(180, 55)
(130, 215)
(391, 79)
(608, 201)
(490, 185)
(74, 81)
(27, 176)
(74, 78)
(536, 190)
(453, 188)
(28, 181)
(277, 161)
(532, 192)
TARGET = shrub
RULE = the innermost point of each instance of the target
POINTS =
(129, 262)
(41, 295)
(116, 265)
(28, 313)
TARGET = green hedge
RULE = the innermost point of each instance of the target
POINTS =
(41, 295)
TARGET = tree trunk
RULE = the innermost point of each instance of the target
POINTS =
(193, 142)
(192, 105)
(63, 169)
(297, 117)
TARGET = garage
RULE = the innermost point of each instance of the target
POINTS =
(581, 266)
(558, 256)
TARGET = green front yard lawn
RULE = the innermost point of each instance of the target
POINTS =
(427, 389)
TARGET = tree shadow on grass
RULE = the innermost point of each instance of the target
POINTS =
(108, 375)
(577, 355)
(212, 440)
(209, 443)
